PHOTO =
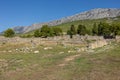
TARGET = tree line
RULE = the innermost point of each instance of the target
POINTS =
(99, 29)
(46, 31)
(105, 29)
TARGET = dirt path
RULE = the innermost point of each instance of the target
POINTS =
(68, 59)
(71, 58)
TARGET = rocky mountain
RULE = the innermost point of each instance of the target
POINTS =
(92, 14)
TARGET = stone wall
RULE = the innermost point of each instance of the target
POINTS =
(64, 40)
(97, 44)
(118, 38)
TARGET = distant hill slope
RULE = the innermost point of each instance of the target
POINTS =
(92, 14)
(88, 23)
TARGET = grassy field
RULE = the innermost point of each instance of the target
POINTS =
(59, 64)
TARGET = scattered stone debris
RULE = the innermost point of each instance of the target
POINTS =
(30, 45)
(4, 51)
(71, 51)
(76, 48)
(16, 49)
(9, 51)
(61, 52)
(36, 52)
(90, 51)
(98, 44)
(48, 48)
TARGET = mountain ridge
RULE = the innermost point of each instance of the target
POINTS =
(97, 13)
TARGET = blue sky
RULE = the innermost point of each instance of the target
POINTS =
(26, 12)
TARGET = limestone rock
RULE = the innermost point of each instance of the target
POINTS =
(36, 52)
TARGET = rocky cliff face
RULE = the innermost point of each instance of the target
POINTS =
(92, 14)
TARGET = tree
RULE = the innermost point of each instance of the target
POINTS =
(36, 33)
(115, 29)
(95, 29)
(45, 31)
(57, 31)
(72, 31)
(81, 30)
(118, 29)
(104, 29)
(9, 33)
(100, 29)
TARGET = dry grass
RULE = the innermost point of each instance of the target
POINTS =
(101, 64)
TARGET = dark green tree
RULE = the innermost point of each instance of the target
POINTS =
(118, 30)
(95, 29)
(37, 33)
(45, 31)
(72, 31)
(51, 32)
(9, 33)
(81, 30)
(104, 29)
(115, 29)
(100, 29)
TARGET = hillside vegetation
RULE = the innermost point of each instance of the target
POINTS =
(87, 23)
(98, 13)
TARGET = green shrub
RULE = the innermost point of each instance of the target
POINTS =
(9, 33)
(36, 33)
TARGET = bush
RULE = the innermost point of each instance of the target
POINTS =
(37, 33)
(9, 33)
(72, 31)
(81, 30)
(57, 31)
(26, 36)
(95, 29)
(45, 31)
